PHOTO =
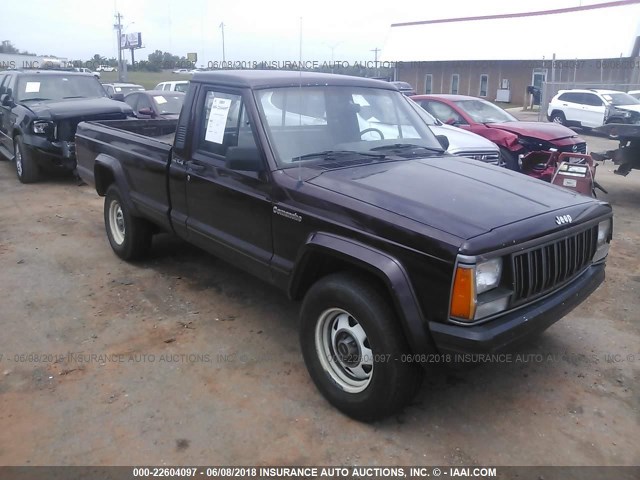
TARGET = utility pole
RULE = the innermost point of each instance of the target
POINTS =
(118, 27)
(375, 51)
(222, 29)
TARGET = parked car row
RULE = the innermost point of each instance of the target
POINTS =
(465, 126)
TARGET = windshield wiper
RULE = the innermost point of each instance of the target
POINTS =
(406, 146)
(77, 96)
(329, 154)
(35, 99)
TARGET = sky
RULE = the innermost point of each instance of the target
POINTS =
(254, 30)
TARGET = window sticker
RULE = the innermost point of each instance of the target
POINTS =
(32, 87)
(217, 120)
(118, 89)
(160, 99)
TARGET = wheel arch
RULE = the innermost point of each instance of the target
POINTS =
(107, 170)
(326, 253)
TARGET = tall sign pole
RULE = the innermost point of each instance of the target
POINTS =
(222, 29)
(118, 28)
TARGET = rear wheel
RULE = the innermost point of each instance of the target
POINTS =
(26, 168)
(353, 348)
(129, 236)
(558, 117)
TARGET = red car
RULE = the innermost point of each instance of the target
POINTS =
(514, 137)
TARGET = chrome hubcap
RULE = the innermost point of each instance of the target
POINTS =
(343, 349)
(116, 222)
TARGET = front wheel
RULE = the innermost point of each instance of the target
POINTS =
(354, 349)
(558, 117)
(26, 168)
(129, 236)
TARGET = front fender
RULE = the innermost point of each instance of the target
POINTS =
(387, 268)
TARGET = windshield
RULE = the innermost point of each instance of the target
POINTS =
(169, 103)
(57, 87)
(620, 99)
(303, 123)
(484, 112)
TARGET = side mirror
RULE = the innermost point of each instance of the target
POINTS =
(118, 96)
(246, 159)
(147, 112)
(6, 99)
(444, 141)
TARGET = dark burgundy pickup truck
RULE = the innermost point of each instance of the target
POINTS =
(333, 189)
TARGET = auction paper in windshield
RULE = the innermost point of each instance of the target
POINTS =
(217, 120)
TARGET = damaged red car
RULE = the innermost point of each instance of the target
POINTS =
(515, 138)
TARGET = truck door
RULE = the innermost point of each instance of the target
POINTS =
(228, 204)
(5, 116)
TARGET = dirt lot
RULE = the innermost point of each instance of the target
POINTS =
(183, 359)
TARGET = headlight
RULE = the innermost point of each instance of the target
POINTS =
(604, 230)
(476, 291)
(42, 127)
(604, 235)
(488, 275)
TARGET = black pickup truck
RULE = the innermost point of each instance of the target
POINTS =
(333, 189)
(39, 112)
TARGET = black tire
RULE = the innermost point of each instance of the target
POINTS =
(510, 159)
(27, 169)
(614, 136)
(392, 381)
(558, 117)
(129, 236)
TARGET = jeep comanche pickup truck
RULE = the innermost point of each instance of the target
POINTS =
(333, 189)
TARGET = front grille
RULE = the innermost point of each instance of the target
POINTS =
(488, 157)
(66, 130)
(541, 269)
(580, 148)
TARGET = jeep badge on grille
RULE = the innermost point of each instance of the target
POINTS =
(562, 219)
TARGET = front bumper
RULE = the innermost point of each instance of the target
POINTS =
(52, 153)
(515, 326)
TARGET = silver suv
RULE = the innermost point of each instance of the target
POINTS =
(593, 108)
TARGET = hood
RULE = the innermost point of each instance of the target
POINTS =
(78, 107)
(462, 140)
(540, 130)
(632, 108)
(455, 195)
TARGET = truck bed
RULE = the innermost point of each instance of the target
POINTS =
(141, 148)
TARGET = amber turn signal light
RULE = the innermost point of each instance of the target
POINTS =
(463, 298)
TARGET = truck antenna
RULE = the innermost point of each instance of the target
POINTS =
(300, 98)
